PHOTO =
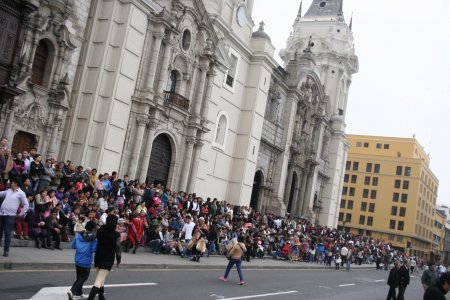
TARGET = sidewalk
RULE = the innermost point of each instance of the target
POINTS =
(29, 258)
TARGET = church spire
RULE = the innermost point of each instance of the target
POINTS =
(325, 10)
(300, 9)
(351, 23)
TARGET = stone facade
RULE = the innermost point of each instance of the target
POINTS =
(186, 93)
(308, 148)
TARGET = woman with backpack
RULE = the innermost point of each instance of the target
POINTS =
(235, 252)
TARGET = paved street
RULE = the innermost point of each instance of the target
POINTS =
(204, 284)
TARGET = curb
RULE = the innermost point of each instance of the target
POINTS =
(11, 266)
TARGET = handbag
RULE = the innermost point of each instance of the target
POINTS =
(201, 245)
(13, 173)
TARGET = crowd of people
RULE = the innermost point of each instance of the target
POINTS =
(52, 201)
(63, 197)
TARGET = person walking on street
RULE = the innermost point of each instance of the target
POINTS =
(438, 291)
(12, 199)
(393, 281)
(235, 253)
(348, 262)
(404, 280)
(413, 264)
(429, 276)
(84, 244)
(108, 247)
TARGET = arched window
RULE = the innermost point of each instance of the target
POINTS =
(40, 63)
(220, 134)
(172, 83)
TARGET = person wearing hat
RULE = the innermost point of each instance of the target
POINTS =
(85, 244)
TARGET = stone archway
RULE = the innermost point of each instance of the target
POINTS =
(160, 160)
(256, 192)
(23, 141)
(292, 193)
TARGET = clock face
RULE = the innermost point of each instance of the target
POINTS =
(241, 16)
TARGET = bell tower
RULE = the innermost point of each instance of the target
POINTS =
(324, 31)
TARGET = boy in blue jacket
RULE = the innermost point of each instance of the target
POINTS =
(85, 244)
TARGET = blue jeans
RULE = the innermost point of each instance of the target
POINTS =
(348, 263)
(185, 249)
(231, 263)
(211, 248)
(6, 225)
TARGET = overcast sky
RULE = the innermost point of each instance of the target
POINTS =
(403, 84)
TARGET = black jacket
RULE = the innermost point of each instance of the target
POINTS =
(394, 277)
(404, 275)
(108, 247)
(434, 292)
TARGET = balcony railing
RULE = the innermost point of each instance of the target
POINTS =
(176, 99)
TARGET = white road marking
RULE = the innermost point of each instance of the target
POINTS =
(380, 280)
(325, 287)
(348, 284)
(263, 295)
(60, 292)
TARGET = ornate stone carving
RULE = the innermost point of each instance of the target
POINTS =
(191, 141)
(32, 116)
(142, 120)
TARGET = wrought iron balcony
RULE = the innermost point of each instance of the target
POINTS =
(176, 99)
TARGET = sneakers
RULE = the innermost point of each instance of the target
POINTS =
(74, 297)
(241, 282)
(223, 278)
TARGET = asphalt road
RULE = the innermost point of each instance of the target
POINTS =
(204, 284)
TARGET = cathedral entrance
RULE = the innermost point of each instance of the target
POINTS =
(23, 141)
(257, 183)
(158, 170)
(292, 192)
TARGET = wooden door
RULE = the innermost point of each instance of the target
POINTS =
(23, 141)
(160, 159)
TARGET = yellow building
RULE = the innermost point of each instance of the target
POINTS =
(437, 246)
(390, 193)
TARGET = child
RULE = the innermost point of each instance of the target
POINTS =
(337, 261)
(85, 245)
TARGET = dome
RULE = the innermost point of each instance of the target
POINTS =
(260, 33)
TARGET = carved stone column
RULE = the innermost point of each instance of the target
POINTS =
(153, 126)
(163, 77)
(205, 106)
(307, 196)
(301, 199)
(201, 89)
(195, 163)
(190, 142)
(149, 82)
(59, 59)
(52, 147)
(8, 130)
(138, 138)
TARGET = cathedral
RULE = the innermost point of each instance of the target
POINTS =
(186, 93)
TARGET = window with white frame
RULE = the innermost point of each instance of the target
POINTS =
(220, 133)
(230, 77)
